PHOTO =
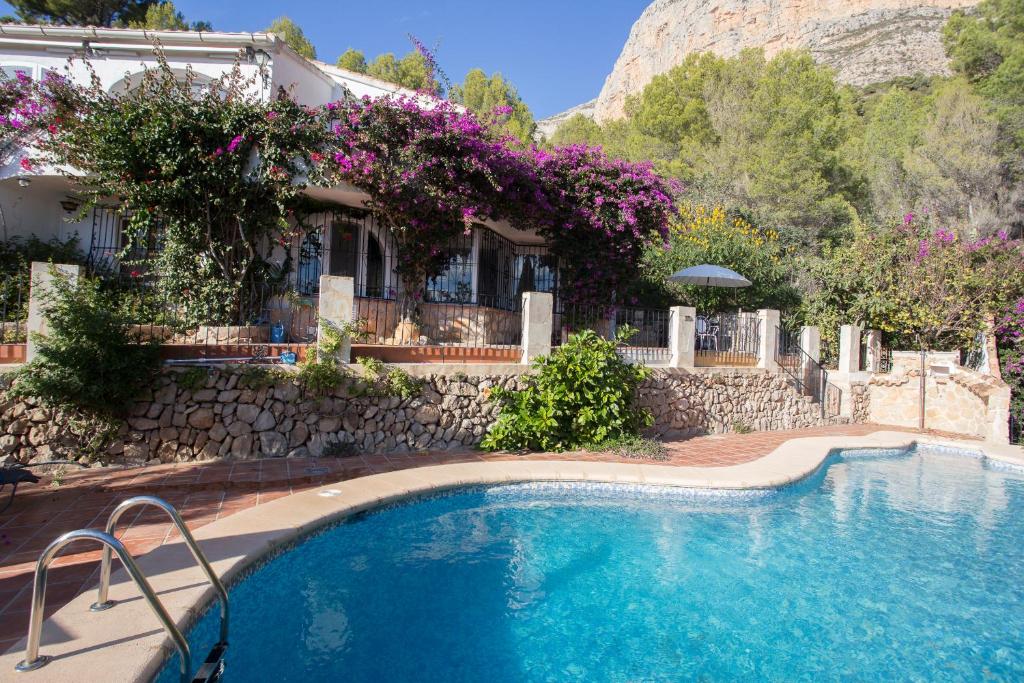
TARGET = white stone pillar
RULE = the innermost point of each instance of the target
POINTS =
(873, 339)
(538, 308)
(849, 349)
(337, 299)
(810, 342)
(682, 335)
(768, 321)
(40, 287)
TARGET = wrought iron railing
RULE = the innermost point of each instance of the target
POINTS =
(260, 314)
(13, 309)
(806, 374)
(650, 343)
(727, 339)
(382, 323)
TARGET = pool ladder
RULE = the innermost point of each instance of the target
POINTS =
(213, 665)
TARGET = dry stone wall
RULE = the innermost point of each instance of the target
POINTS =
(221, 419)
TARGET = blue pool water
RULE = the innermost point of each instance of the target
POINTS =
(883, 566)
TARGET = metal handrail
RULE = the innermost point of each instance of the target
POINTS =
(33, 660)
(102, 600)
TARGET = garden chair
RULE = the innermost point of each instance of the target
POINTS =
(707, 339)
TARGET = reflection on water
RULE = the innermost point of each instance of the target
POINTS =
(896, 566)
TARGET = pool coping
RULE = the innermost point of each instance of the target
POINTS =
(83, 644)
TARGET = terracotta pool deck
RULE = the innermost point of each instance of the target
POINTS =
(206, 492)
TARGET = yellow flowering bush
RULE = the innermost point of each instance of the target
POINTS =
(711, 234)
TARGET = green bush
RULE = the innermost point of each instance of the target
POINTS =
(584, 393)
(90, 358)
(388, 380)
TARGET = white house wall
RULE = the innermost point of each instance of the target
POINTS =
(306, 83)
(36, 210)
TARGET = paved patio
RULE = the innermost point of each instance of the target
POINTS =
(204, 493)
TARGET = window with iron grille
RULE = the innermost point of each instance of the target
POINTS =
(112, 250)
(481, 268)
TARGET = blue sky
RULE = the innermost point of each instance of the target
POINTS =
(557, 52)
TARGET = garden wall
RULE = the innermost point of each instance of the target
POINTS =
(222, 417)
(957, 400)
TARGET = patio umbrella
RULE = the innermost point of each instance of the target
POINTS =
(710, 276)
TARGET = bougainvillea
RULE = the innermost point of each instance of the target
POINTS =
(432, 171)
(1010, 337)
(210, 173)
(601, 214)
(922, 286)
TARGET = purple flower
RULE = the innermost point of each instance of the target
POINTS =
(235, 142)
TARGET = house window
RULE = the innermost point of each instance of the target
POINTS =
(452, 281)
(535, 272)
(494, 280)
(343, 258)
(311, 251)
(9, 72)
(374, 268)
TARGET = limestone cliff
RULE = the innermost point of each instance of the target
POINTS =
(864, 40)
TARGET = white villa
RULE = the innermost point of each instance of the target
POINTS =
(488, 269)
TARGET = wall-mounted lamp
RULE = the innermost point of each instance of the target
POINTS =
(24, 181)
(70, 204)
(261, 58)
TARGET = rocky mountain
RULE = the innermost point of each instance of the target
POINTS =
(866, 41)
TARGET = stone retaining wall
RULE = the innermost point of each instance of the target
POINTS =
(222, 419)
(957, 400)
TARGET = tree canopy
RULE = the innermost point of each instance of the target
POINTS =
(353, 60)
(79, 13)
(164, 16)
(293, 36)
(413, 71)
(494, 96)
(780, 140)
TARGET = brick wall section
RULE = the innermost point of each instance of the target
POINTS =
(174, 424)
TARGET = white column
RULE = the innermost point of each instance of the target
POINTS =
(769, 321)
(40, 288)
(337, 298)
(873, 362)
(810, 342)
(849, 349)
(537, 320)
(682, 333)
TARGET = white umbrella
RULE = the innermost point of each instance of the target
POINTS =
(710, 276)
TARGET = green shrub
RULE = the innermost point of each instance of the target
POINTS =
(388, 380)
(320, 377)
(192, 379)
(584, 393)
(256, 377)
(90, 358)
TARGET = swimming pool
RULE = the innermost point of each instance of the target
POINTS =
(883, 565)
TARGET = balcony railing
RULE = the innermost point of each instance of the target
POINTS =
(650, 343)
(727, 339)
